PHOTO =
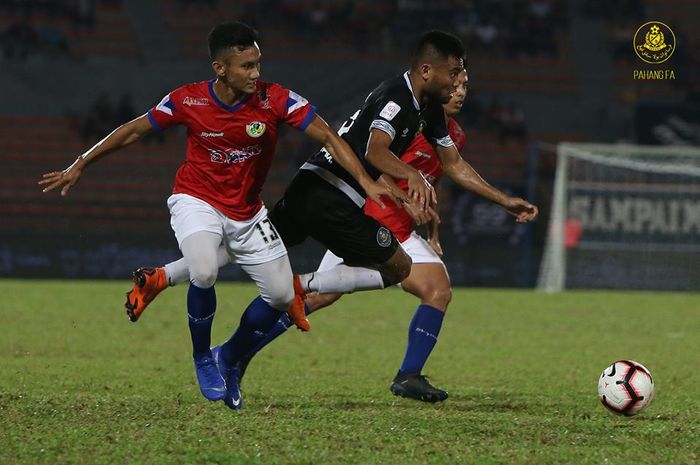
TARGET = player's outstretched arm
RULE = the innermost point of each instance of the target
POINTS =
(126, 134)
(461, 172)
(341, 152)
(379, 155)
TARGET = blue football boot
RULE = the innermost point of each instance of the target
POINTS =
(210, 381)
(233, 398)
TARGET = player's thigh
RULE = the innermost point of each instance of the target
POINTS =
(189, 215)
(358, 239)
(253, 241)
(292, 213)
(200, 250)
(274, 280)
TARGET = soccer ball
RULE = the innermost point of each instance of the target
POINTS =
(626, 387)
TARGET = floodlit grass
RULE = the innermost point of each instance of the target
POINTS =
(81, 384)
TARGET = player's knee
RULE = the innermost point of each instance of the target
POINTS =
(278, 296)
(440, 297)
(396, 269)
(403, 268)
(203, 277)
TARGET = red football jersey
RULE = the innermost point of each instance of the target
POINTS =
(420, 155)
(229, 148)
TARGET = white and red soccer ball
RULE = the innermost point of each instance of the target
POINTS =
(626, 387)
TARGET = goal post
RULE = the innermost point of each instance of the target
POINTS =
(623, 217)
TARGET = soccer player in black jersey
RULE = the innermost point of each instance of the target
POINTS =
(323, 201)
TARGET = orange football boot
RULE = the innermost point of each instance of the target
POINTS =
(148, 283)
(296, 310)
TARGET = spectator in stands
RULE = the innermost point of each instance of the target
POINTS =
(100, 118)
(494, 115)
(19, 40)
(82, 14)
(52, 39)
(512, 124)
(198, 3)
(125, 111)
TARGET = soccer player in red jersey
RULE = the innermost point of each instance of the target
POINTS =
(232, 124)
(428, 279)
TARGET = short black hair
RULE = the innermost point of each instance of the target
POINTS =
(438, 43)
(233, 34)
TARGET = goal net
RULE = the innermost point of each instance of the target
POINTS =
(624, 217)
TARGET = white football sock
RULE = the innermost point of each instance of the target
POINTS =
(342, 278)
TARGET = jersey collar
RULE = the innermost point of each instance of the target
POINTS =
(410, 87)
(222, 104)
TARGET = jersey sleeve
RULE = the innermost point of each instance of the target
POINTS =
(388, 111)
(166, 113)
(457, 134)
(292, 108)
(436, 126)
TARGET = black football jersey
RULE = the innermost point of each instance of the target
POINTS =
(391, 107)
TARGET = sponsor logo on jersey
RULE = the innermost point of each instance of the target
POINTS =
(230, 156)
(212, 134)
(383, 237)
(255, 129)
(390, 110)
(421, 126)
(404, 133)
(189, 101)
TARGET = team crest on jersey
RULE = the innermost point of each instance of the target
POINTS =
(383, 237)
(255, 129)
(421, 126)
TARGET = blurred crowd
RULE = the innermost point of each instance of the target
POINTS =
(519, 28)
(105, 115)
(30, 27)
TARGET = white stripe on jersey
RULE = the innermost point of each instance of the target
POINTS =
(300, 101)
(162, 106)
(339, 184)
(383, 126)
(445, 141)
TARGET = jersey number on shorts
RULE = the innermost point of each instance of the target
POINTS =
(272, 233)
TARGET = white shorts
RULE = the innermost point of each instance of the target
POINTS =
(415, 246)
(249, 242)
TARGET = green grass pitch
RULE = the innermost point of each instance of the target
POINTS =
(81, 384)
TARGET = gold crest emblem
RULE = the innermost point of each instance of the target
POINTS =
(654, 42)
(255, 129)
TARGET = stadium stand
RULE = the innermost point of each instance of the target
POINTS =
(524, 86)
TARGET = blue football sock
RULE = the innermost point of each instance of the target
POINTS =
(256, 321)
(201, 307)
(280, 328)
(422, 336)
